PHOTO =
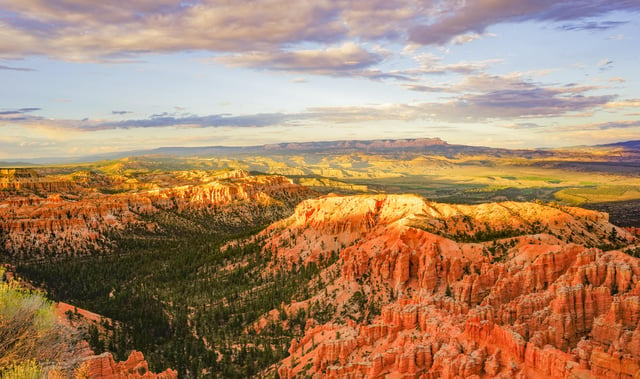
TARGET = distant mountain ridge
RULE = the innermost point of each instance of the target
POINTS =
(635, 144)
(340, 146)
(409, 143)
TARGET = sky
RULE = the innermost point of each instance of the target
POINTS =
(84, 77)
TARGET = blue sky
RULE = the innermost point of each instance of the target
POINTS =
(86, 77)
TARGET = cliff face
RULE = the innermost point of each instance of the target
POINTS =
(426, 290)
(76, 222)
(135, 367)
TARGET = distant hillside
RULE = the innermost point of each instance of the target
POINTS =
(367, 146)
(627, 144)
(409, 145)
(15, 164)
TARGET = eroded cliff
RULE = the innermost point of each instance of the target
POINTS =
(80, 221)
(427, 290)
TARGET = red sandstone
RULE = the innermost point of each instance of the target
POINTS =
(538, 306)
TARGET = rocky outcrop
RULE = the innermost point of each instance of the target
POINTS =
(135, 367)
(633, 230)
(495, 290)
(32, 226)
(21, 179)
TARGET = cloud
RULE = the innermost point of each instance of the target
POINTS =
(481, 98)
(107, 31)
(24, 69)
(475, 98)
(476, 16)
(632, 103)
(522, 125)
(466, 38)
(527, 102)
(626, 124)
(165, 119)
(605, 64)
(429, 65)
(159, 120)
(482, 83)
(425, 88)
(19, 111)
(21, 114)
(267, 31)
(593, 25)
(432, 64)
(339, 60)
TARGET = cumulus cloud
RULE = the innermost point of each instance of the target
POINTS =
(99, 30)
(108, 31)
(339, 60)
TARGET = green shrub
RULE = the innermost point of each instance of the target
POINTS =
(29, 331)
(25, 370)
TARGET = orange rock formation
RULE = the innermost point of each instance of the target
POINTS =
(135, 367)
(527, 295)
(31, 226)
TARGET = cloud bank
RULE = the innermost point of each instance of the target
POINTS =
(264, 31)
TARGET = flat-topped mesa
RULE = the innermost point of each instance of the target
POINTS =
(494, 290)
(367, 145)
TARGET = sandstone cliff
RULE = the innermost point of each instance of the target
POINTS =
(427, 290)
(76, 222)
(135, 367)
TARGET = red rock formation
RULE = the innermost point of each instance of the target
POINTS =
(31, 225)
(135, 367)
(633, 230)
(540, 303)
